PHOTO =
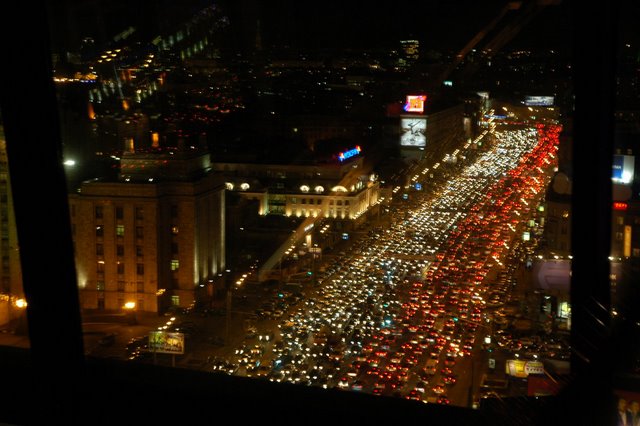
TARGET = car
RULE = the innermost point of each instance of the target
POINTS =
(449, 380)
(439, 389)
(421, 386)
(449, 361)
(442, 399)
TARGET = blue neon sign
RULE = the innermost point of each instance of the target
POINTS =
(348, 154)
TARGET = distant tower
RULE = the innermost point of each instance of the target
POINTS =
(410, 53)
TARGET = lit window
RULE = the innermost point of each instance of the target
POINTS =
(175, 264)
(120, 230)
(174, 230)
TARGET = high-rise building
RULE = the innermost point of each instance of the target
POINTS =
(409, 54)
(10, 271)
(154, 236)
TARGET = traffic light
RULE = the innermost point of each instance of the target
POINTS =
(309, 273)
(455, 319)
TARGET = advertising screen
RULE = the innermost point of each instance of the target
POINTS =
(522, 368)
(415, 103)
(623, 168)
(539, 100)
(413, 131)
(552, 274)
(165, 342)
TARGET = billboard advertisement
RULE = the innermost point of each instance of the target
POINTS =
(521, 368)
(415, 103)
(623, 168)
(413, 131)
(539, 100)
(552, 274)
(166, 342)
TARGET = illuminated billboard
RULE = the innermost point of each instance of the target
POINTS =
(539, 100)
(552, 274)
(413, 131)
(623, 168)
(165, 342)
(415, 103)
(521, 368)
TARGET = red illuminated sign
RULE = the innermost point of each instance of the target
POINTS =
(619, 206)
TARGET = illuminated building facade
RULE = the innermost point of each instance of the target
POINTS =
(152, 237)
(10, 272)
(309, 190)
(410, 53)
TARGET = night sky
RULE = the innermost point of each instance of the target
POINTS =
(438, 24)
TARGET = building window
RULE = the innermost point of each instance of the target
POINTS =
(175, 264)
(174, 229)
(175, 300)
(140, 268)
(339, 202)
(121, 302)
(99, 212)
(619, 236)
(100, 285)
(620, 220)
(99, 250)
(140, 287)
(140, 305)
(120, 250)
(120, 230)
(304, 201)
(119, 213)
(139, 251)
(120, 285)
(120, 268)
(100, 268)
(139, 213)
(174, 211)
(99, 231)
(174, 248)
(139, 232)
(294, 200)
(346, 202)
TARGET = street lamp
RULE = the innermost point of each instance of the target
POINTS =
(130, 312)
(20, 306)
